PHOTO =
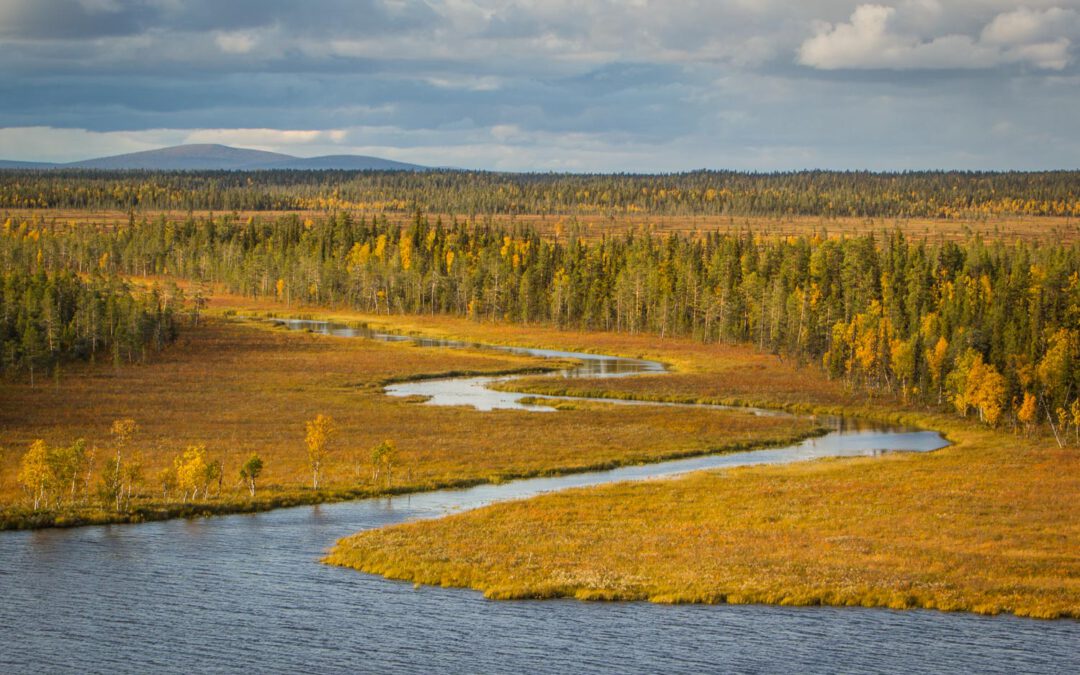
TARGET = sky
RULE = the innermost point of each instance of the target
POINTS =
(551, 85)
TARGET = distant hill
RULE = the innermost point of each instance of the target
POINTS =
(180, 157)
(212, 157)
(346, 162)
(15, 164)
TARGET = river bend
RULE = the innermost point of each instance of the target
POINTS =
(246, 592)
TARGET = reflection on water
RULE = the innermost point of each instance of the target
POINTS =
(475, 391)
(245, 593)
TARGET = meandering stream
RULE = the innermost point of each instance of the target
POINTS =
(246, 593)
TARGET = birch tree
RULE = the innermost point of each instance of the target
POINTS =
(317, 439)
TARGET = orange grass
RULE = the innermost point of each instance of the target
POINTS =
(985, 527)
(989, 525)
(594, 226)
(702, 373)
(243, 387)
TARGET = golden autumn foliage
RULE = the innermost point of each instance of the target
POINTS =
(1028, 412)
(51, 476)
(239, 388)
(34, 472)
(975, 384)
(191, 472)
(317, 439)
(123, 430)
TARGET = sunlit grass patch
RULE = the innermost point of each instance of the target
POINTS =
(246, 386)
(989, 527)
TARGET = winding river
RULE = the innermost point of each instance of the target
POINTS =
(246, 593)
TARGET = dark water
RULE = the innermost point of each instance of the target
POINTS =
(246, 593)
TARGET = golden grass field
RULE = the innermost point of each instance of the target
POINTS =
(240, 387)
(986, 527)
(593, 226)
(991, 524)
(714, 373)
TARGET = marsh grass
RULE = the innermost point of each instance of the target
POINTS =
(244, 386)
(987, 526)
(594, 226)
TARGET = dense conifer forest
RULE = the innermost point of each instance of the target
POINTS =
(51, 315)
(819, 193)
(989, 327)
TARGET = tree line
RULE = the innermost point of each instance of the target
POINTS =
(51, 316)
(59, 478)
(989, 327)
(935, 194)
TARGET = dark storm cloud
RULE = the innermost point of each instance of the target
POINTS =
(614, 97)
(559, 83)
(67, 19)
(88, 19)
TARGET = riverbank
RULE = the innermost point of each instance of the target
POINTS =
(984, 526)
(242, 387)
(16, 518)
(988, 526)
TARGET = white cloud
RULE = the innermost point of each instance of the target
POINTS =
(1025, 26)
(267, 139)
(51, 144)
(505, 132)
(465, 82)
(1046, 55)
(869, 41)
(236, 42)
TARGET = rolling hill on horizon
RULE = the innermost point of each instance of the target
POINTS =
(215, 157)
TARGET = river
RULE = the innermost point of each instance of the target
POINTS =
(246, 593)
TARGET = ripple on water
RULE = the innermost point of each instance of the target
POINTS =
(245, 592)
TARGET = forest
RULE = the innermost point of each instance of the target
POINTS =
(48, 317)
(988, 327)
(933, 194)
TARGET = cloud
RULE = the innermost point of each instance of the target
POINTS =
(236, 42)
(66, 19)
(267, 139)
(868, 41)
(1027, 26)
(49, 144)
(518, 84)
(93, 19)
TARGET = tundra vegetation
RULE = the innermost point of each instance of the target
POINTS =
(976, 336)
(232, 388)
(935, 194)
(988, 524)
(987, 527)
(981, 326)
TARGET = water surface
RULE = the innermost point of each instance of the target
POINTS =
(246, 593)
